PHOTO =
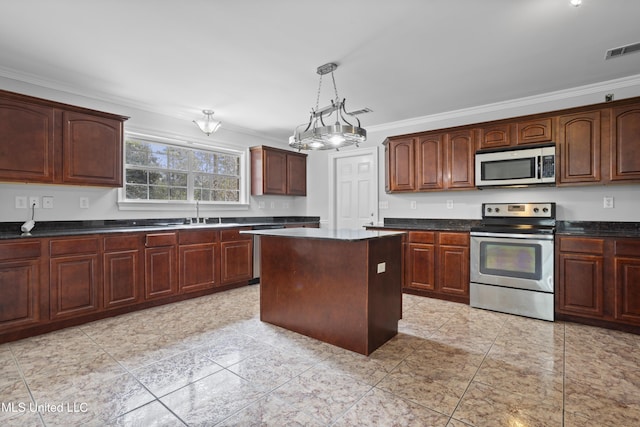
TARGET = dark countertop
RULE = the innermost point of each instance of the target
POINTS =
(598, 228)
(423, 224)
(11, 230)
(325, 234)
(572, 228)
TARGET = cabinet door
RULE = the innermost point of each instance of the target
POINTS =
(275, 172)
(92, 150)
(401, 165)
(460, 152)
(160, 276)
(495, 136)
(122, 277)
(453, 270)
(627, 289)
(198, 266)
(297, 174)
(421, 264)
(580, 287)
(579, 148)
(534, 131)
(26, 142)
(19, 285)
(236, 261)
(74, 285)
(625, 149)
(429, 157)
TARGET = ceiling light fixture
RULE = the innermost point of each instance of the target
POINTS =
(575, 3)
(206, 123)
(317, 135)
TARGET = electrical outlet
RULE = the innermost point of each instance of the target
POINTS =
(413, 204)
(21, 202)
(84, 203)
(285, 205)
(607, 202)
(449, 204)
(34, 202)
(47, 202)
(260, 205)
(383, 205)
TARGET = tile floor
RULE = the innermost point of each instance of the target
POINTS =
(210, 361)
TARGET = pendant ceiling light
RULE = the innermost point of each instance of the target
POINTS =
(328, 127)
(206, 123)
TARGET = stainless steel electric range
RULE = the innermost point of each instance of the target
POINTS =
(512, 259)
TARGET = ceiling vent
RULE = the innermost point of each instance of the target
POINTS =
(622, 50)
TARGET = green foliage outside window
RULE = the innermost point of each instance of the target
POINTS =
(157, 171)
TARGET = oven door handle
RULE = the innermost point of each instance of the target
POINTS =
(512, 235)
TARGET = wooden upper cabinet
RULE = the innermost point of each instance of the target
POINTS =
(47, 142)
(496, 136)
(534, 131)
(92, 150)
(460, 154)
(625, 143)
(400, 159)
(429, 162)
(26, 142)
(278, 172)
(579, 148)
(296, 174)
(501, 135)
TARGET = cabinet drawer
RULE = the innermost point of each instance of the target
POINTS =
(20, 250)
(457, 239)
(626, 247)
(161, 239)
(192, 237)
(234, 234)
(121, 243)
(422, 237)
(74, 246)
(582, 245)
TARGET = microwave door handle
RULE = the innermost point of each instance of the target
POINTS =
(539, 161)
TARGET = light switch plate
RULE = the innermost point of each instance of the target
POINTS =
(21, 202)
(413, 204)
(382, 267)
(84, 203)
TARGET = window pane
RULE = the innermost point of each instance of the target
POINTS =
(158, 155)
(137, 192)
(137, 153)
(158, 193)
(178, 193)
(178, 179)
(158, 178)
(178, 159)
(136, 176)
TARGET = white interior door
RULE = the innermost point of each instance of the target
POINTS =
(355, 191)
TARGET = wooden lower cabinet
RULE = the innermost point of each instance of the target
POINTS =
(598, 279)
(437, 264)
(19, 284)
(74, 272)
(160, 265)
(198, 259)
(123, 279)
(236, 256)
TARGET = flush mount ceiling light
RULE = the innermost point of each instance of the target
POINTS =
(575, 3)
(339, 132)
(206, 123)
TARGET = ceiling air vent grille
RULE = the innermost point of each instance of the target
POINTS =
(622, 50)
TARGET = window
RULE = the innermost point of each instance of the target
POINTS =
(159, 171)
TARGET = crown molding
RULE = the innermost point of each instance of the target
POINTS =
(509, 105)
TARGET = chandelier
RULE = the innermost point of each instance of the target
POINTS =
(328, 128)
(206, 123)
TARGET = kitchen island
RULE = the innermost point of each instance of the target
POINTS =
(342, 287)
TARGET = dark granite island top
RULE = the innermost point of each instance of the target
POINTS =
(342, 287)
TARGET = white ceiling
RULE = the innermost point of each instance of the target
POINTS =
(254, 61)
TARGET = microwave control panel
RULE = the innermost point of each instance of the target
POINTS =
(548, 166)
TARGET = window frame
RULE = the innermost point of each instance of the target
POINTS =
(190, 203)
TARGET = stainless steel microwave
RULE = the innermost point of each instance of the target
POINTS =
(517, 166)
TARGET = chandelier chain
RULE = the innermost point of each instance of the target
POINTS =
(318, 96)
(335, 88)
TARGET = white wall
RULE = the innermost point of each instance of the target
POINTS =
(103, 201)
(573, 203)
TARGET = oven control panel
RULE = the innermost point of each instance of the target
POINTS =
(519, 210)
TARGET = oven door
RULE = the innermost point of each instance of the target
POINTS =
(523, 261)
